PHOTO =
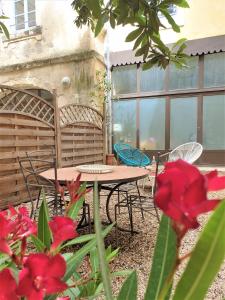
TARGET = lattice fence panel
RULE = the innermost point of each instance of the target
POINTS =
(22, 102)
(74, 113)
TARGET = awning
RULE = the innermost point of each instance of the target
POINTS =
(194, 47)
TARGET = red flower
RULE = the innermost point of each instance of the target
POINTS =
(63, 298)
(63, 228)
(42, 276)
(182, 194)
(15, 225)
(7, 286)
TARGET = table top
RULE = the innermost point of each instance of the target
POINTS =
(118, 174)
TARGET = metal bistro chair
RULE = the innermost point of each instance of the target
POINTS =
(39, 161)
(145, 204)
(31, 166)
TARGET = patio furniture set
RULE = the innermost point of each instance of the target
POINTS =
(121, 180)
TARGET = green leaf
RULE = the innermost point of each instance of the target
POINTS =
(129, 288)
(38, 243)
(180, 3)
(133, 34)
(122, 273)
(79, 240)
(139, 40)
(163, 259)
(94, 262)
(170, 20)
(44, 233)
(147, 65)
(206, 259)
(99, 25)
(4, 29)
(75, 208)
(179, 43)
(74, 261)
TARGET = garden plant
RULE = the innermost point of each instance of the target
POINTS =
(36, 265)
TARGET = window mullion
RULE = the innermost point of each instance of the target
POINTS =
(26, 14)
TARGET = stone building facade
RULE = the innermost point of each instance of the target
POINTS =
(47, 53)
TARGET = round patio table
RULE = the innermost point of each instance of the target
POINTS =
(120, 175)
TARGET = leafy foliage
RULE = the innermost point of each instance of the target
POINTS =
(3, 28)
(144, 16)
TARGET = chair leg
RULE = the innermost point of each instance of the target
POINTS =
(139, 195)
(116, 229)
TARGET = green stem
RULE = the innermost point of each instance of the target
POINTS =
(100, 247)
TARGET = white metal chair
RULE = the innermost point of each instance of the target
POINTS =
(189, 152)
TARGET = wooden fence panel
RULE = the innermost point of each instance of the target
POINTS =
(82, 139)
(20, 139)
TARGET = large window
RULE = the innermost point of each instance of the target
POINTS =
(183, 121)
(214, 73)
(170, 107)
(124, 122)
(24, 14)
(213, 122)
(152, 124)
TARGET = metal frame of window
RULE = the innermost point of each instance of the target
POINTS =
(209, 156)
(25, 13)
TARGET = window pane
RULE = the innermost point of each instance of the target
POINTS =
(213, 122)
(124, 122)
(183, 121)
(185, 78)
(31, 19)
(31, 5)
(152, 79)
(152, 124)
(20, 22)
(214, 70)
(19, 7)
(124, 79)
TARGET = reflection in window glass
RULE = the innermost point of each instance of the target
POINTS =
(214, 70)
(152, 124)
(185, 78)
(152, 79)
(213, 122)
(183, 121)
(124, 122)
(124, 79)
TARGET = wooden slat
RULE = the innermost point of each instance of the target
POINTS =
(82, 146)
(10, 178)
(76, 130)
(93, 159)
(21, 154)
(26, 132)
(84, 153)
(81, 138)
(26, 143)
(4, 190)
(22, 122)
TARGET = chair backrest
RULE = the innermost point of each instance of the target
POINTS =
(189, 152)
(131, 156)
(31, 166)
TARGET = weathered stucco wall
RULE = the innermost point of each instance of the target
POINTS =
(53, 50)
(49, 76)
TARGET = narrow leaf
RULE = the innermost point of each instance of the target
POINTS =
(133, 34)
(44, 233)
(38, 243)
(4, 29)
(99, 26)
(79, 240)
(163, 259)
(170, 20)
(206, 259)
(75, 208)
(129, 288)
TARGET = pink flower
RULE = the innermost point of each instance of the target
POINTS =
(182, 194)
(63, 228)
(7, 286)
(63, 298)
(42, 276)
